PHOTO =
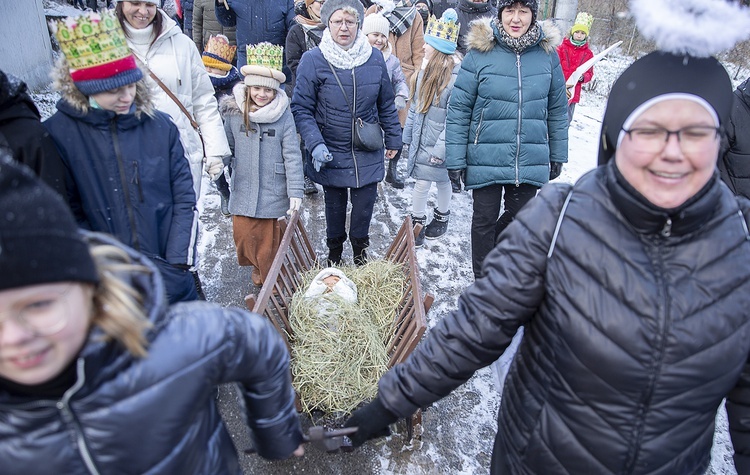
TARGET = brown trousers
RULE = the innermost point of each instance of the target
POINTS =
(257, 240)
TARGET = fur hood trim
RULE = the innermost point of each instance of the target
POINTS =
(63, 83)
(481, 36)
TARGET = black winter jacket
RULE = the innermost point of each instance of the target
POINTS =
(158, 414)
(735, 162)
(22, 133)
(636, 327)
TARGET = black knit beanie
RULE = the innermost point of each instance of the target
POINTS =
(39, 240)
(532, 4)
(657, 74)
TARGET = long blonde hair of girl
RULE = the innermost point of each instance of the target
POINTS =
(118, 307)
(250, 106)
(435, 79)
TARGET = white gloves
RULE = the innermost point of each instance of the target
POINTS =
(294, 205)
(400, 102)
(214, 166)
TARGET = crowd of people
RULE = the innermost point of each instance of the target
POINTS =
(632, 285)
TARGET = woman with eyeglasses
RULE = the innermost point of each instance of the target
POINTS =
(632, 287)
(343, 79)
(99, 375)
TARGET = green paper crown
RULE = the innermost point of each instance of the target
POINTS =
(91, 39)
(267, 55)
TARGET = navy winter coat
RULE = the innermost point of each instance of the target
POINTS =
(635, 330)
(257, 21)
(158, 414)
(324, 117)
(130, 178)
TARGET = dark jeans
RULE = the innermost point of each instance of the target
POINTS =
(363, 203)
(485, 224)
(571, 111)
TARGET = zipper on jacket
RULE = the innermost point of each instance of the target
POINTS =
(479, 127)
(354, 124)
(70, 419)
(137, 180)
(124, 184)
(663, 322)
(520, 106)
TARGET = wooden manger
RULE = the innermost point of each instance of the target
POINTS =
(296, 256)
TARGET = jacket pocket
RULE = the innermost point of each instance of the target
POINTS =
(279, 179)
(479, 127)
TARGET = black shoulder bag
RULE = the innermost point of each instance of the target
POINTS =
(365, 135)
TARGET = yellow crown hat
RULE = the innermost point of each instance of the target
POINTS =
(582, 23)
(264, 64)
(442, 33)
(97, 53)
(218, 53)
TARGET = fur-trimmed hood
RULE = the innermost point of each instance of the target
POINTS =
(482, 35)
(63, 83)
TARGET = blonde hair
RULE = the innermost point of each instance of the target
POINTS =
(119, 309)
(436, 77)
(251, 106)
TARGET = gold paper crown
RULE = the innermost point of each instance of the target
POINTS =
(92, 39)
(267, 55)
(445, 30)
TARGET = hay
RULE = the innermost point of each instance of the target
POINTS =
(339, 355)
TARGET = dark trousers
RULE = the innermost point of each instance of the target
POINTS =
(485, 224)
(363, 203)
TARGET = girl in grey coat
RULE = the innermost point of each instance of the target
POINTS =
(424, 131)
(267, 180)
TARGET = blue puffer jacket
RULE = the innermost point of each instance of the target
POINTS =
(323, 116)
(158, 414)
(187, 17)
(257, 21)
(129, 178)
(507, 117)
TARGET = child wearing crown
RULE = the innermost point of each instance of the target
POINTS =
(424, 131)
(267, 179)
(573, 52)
(217, 58)
(129, 175)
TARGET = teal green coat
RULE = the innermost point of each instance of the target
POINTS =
(507, 116)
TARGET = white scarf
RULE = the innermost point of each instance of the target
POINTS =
(341, 58)
(267, 114)
(140, 40)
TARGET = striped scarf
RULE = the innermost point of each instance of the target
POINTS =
(401, 18)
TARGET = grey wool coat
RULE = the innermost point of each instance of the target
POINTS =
(266, 161)
(425, 134)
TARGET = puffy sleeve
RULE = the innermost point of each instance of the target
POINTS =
(489, 312)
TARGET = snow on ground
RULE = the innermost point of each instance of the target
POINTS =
(458, 430)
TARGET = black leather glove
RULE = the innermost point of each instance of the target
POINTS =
(371, 421)
(456, 177)
(555, 168)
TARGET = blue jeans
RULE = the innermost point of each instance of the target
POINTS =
(363, 203)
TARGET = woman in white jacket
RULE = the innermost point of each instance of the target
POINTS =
(159, 44)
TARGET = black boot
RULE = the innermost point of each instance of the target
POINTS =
(223, 187)
(419, 238)
(335, 249)
(391, 174)
(438, 226)
(310, 188)
(359, 246)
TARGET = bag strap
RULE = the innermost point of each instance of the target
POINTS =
(341, 86)
(184, 110)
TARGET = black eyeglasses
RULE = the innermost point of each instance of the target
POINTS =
(654, 139)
